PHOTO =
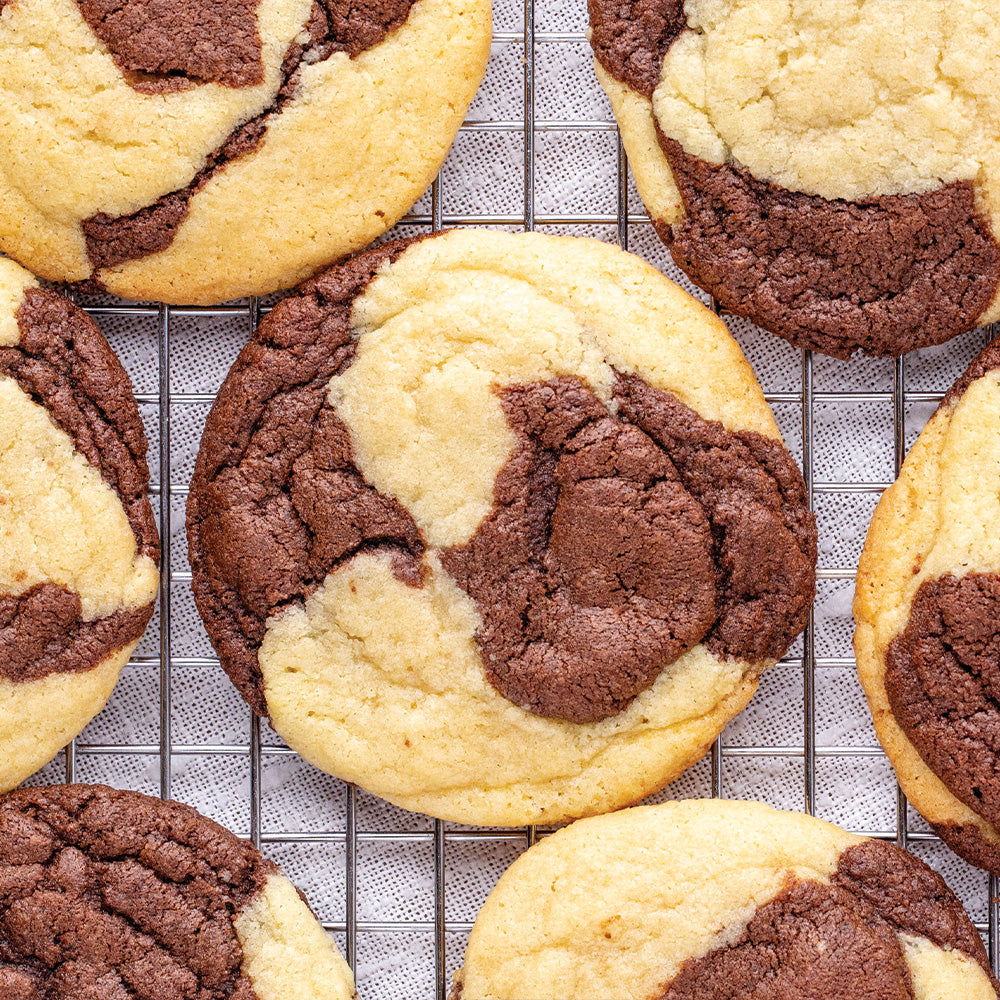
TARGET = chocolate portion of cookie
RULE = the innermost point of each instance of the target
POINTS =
(107, 895)
(812, 942)
(617, 543)
(333, 26)
(837, 941)
(764, 534)
(42, 632)
(887, 274)
(595, 567)
(64, 363)
(910, 896)
(942, 678)
(179, 41)
(285, 482)
(631, 37)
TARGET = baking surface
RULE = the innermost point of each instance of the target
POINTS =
(400, 891)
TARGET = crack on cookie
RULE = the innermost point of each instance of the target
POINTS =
(107, 894)
(333, 26)
(942, 678)
(885, 275)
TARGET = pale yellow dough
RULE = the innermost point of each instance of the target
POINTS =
(359, 143)
(825, 97)
(382, 683)
(286, 953)
(939, 517)
(610, 907)
(60, 523)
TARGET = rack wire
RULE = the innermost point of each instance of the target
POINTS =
(399, 891)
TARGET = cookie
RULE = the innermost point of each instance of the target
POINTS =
(829, 170)
(78, 543)
(927, 608)
(497, 526)
(716, 900)
(106, 894)
(200, 150)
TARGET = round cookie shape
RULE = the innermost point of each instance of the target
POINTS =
(203, 150)
(837, 191)
(107, 894)
(499, 527)
(78, 543)
(926, 607)
(716, 900)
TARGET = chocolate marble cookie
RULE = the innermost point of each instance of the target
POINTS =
(78, 543)
(717, 900)
(928, 617)
(108, 895)
(201, 150)
(830, 170)
(499, 527)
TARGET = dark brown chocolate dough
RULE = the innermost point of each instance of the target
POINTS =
(110, 895)
(333, 26)
(160, 43)
(837, 941)
(64, 363)
(885, 275)
(943, 681)
(595, 568)
(276, 501)
(631, 37)
(616, 542)
(812, 942)
(42, 633)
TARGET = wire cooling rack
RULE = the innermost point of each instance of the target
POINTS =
(400, 891)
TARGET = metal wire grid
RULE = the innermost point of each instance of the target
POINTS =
(349, 851)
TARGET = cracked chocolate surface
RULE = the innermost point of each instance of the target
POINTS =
(160, 44)
(943, 682)
(885, 275)
(836, 941)
(64, 364)
(333, 26)
(615, 544)
(111, 895)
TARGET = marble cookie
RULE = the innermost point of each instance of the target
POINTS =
(716, 900)
(499, 527)
(831, 170)
(78, 543)
(927, 608)
(109, 895)
(202, 150)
